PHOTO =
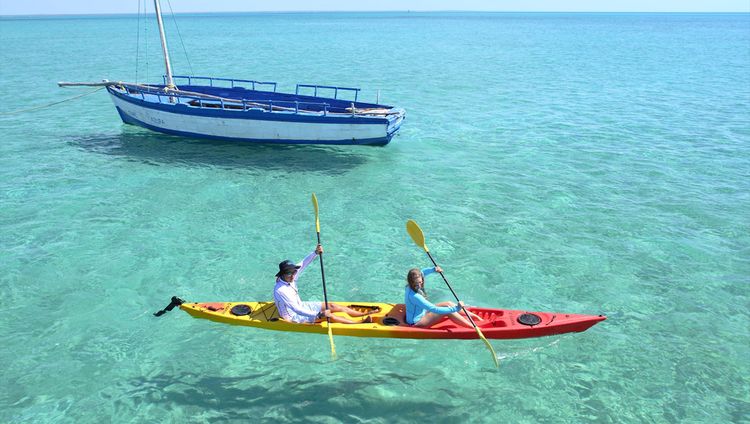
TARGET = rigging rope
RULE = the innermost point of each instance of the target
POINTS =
(50, 104)
(180, 36)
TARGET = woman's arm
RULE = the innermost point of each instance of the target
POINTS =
(442, 310)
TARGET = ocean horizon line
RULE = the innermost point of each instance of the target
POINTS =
(321, 12)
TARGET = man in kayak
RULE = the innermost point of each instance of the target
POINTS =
(293, 309)
(420, 312)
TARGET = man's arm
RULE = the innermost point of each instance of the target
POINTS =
(291, 301)
(305, 262)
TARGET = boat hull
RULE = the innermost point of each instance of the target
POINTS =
(496, 323)
(257, 126)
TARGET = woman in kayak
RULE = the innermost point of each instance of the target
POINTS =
(420, 312)
(293, 309)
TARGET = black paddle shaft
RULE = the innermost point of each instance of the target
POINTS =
(449, 287)
(323, 275)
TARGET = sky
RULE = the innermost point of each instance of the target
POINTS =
(60, 7)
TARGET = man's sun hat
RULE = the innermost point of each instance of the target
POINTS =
(286, 267)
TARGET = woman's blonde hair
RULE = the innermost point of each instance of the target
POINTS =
(411, 279)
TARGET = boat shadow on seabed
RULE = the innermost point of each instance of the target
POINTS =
(161, 149)
(226, 399)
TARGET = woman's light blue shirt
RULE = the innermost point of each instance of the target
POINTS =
(417, 305)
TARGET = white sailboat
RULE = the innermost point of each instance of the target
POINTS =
(248, 110)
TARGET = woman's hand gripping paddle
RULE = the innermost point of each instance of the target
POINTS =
(323, 275)
(418, 236)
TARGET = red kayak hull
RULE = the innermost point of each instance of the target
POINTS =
(388, 321)
(499, 324)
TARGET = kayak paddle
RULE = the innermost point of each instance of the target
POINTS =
(418, 236)
(323, 275)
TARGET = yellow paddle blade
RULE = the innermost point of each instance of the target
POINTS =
(315, 205)
(330, 337)
(489, 346)
(416, 234)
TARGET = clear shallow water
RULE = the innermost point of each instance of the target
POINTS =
(569, 162)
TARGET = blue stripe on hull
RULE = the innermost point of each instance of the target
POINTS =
(368, 141)
(258, 115)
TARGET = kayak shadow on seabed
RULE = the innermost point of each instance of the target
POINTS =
(161, 149)
(233, 398)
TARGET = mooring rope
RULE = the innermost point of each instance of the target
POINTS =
(50, 104)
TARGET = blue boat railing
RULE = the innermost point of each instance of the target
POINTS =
(328, 87)
(232, 81)
(232, 104)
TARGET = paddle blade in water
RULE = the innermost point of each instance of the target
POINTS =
(489, 346)
(416, 234)
(330, 338)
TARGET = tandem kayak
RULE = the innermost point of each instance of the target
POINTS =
(388, 321)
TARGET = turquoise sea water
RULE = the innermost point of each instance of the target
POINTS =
(587, 163)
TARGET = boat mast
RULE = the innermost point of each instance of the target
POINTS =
(170, 82)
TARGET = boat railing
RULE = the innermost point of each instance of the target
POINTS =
(207, 101)
(214, 102)
(328, 87)
(232, 82)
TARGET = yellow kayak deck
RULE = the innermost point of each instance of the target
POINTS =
(265, 315)
(388, 321)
